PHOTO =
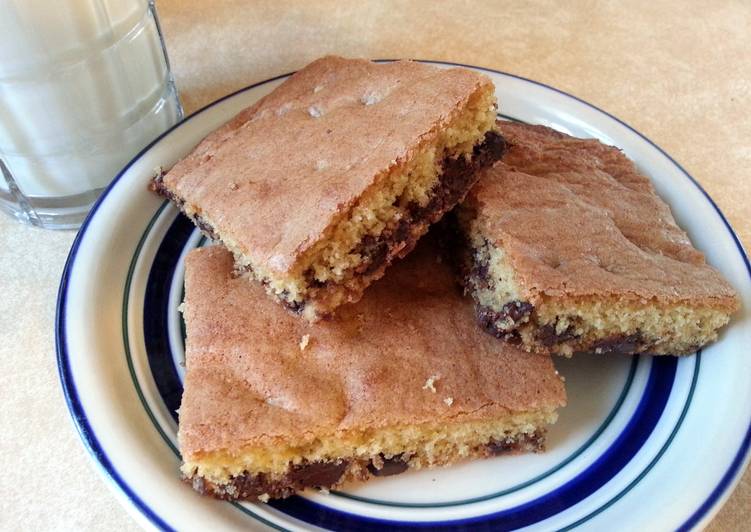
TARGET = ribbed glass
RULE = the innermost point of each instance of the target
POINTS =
(84, 85)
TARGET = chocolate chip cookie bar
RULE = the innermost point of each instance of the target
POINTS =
(403, 379)
(568, 248)
(320, 185)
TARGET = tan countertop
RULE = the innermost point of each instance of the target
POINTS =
(679, 72)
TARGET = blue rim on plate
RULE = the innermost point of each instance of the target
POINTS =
(293, 507)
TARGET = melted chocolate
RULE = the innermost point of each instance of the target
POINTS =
(457, 177)
(620, 344)
(389, 466)
(250, 486)
(504, 322)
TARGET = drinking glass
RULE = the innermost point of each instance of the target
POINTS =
(84, 85)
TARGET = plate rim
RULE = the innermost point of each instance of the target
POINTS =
(708, 509)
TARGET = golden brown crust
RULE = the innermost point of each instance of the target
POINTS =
(576, 219)
(258, 376)
(276, 176)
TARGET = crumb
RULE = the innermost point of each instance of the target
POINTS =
(264, 498)
(233, 186)
(321, 165)
(314, 111)
(317, 89)
(429, 384)
(370, 98)
(181, 307)
(157, 171)
(449, 401)
(304, 342)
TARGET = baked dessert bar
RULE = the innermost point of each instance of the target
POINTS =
(320, 185)
(568, 248)
(403, 379)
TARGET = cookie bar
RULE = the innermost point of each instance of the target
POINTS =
(320, 185)
(568, 248)
(401, 380)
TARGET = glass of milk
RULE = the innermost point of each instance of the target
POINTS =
(84, 85)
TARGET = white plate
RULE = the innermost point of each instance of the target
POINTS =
(643, 443)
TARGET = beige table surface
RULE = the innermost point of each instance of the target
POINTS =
(679, 72)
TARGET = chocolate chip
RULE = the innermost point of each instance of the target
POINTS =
(374, 252)
(157, 185)
(205, 227)
(401, 232)
(513, 338)
(523, 442)
(501, 447)
(250, 486)
(293, 306)
(458, 175)
(510, 317)
(317, 474)
(619, 344)
(376, 261)
(313, 282)
(479, 271)
(492, 148)
(517, 310)
(391, 466)
(548, 335)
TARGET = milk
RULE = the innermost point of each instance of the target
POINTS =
(84, 85)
